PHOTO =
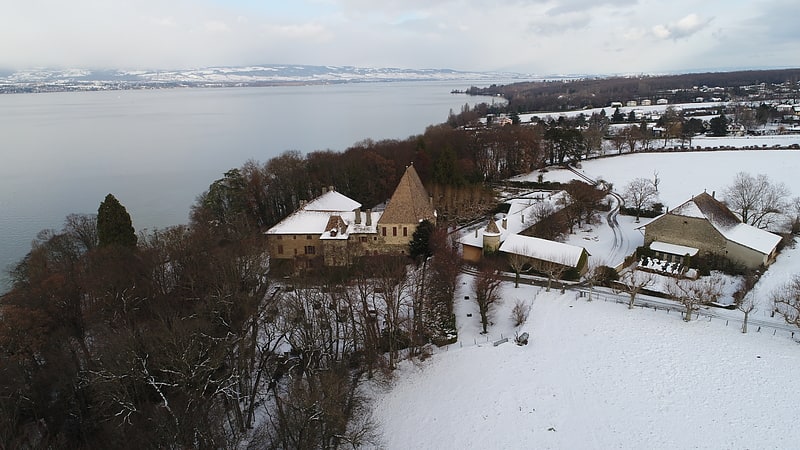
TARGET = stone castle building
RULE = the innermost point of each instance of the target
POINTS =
(332, 230)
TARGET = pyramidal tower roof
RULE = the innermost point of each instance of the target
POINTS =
(410, 202)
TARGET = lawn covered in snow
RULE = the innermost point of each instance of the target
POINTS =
(687, 173)
(595, 375)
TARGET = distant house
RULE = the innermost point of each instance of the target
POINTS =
(545, 251)
(662, 101)
(647, 102)
(703, 225)
(332, 230)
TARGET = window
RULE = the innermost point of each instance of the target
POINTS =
(308, 237)
(310, 250)
(363, 239)
(394, 231)
(280, 249)
(280, 237)
(405, 231)
(383, 231)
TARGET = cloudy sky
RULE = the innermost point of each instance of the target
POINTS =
(530, 36)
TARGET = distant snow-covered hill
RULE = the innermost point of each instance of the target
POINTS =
(34, 80)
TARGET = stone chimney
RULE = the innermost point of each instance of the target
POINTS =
(369, 217)
(358, 216)
(324, 190)
(505, 222)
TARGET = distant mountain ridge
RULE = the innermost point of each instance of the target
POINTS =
(33, 80)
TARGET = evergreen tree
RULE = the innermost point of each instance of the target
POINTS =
(617, 117)
(719, 125)
(114, 226)
(419, 247)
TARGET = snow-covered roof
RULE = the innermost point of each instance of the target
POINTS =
(705, 206)
(673, 249)
(317, 217)
(515, 221)
(542, 249)
(332, 201)
(302, 222)
(752, 237)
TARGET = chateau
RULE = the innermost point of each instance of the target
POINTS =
(333, 231)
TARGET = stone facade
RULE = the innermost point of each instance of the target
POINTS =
(688, 231)
(709, 226)
(333, 231)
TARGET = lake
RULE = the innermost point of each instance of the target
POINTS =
(156, 150)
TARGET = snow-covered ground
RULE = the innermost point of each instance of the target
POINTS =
(689, 173)
(597, 375)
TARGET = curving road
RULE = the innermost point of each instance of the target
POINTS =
(619, 250)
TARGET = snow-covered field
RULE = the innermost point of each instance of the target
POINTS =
(685, 174)
(597, 375)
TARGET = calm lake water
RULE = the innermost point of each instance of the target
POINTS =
(156, 150)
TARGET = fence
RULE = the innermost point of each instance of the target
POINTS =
(753, 325)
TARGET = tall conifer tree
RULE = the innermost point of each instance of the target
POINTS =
(114, 226)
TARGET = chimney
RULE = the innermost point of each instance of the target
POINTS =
(369, 217)
(330, 188)
(505, 222)
(476, 232)
(713, 194)
(324, 190)
(358, 216)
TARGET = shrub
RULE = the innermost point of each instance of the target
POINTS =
(605, 275)
(520, 312)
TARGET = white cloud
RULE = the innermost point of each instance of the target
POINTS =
(683, 28)
(534, 36)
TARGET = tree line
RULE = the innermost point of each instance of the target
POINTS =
(564, 95)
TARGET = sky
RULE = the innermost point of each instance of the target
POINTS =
(538, 37)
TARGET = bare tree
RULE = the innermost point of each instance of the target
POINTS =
(743, 300)
(487, 292)
(633, 281)
(596, 272)
(757, 200)
(693, 294)
(746, 305)
(640, 192)
(656, 180)
(541, 210)
(631, 136)
(553, 270)
(519, 264)
(786, 301)
(520, 312)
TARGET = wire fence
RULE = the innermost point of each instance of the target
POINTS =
(735, 324)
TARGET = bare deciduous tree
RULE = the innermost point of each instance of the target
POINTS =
(786, 300)
(487, 292)
(693, 294)
(757, 200)
(519, 264)
(640, 192)
(632, 282)
(520, 312)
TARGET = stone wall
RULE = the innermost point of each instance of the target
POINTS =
(689, 231)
